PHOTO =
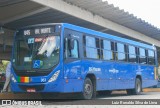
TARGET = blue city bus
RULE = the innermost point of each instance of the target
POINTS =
(64, 58)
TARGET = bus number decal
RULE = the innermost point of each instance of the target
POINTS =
(30, 40)
(27, 32)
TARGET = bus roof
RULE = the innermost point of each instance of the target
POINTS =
(107, 36)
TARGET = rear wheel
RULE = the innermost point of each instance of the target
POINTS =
(138, 88)
(87, 89)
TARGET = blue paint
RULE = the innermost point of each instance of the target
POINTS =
(110, 75)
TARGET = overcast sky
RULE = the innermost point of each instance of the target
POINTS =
(148, 10)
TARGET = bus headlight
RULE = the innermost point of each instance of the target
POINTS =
(13, 78)
(54, 77)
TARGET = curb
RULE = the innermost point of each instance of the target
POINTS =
(151, 90)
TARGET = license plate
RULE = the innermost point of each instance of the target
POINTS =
(31, 90)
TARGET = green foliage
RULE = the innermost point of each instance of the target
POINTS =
(3, 67)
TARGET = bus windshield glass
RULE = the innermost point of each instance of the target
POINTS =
(36, 52)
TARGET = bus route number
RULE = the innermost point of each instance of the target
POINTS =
(27, 32)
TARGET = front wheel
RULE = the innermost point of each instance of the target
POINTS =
(87, 89)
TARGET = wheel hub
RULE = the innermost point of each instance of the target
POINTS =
(88, 89)
(138, 87)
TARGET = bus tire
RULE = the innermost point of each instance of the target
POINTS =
(137, 89)
(87, 89)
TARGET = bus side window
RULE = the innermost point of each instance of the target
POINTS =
(120, 52)
(71, 48)
(74, 51)
(91, 47)
(142, 56)
(151, 57)
(132, 54)
(106, 50)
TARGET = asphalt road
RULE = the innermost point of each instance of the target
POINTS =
(108, 100)
(116, 99)
(151, 93)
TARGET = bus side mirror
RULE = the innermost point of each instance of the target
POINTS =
(71, 44)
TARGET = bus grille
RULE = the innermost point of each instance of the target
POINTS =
(36, 87)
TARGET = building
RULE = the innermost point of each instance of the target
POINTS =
(93, 14)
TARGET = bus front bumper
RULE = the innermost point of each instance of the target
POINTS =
(73, 85)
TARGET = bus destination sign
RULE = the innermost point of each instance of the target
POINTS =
(38, 31)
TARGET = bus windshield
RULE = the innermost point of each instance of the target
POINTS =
(40, 52)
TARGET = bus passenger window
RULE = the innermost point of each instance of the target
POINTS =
(142, 56)
(107, 55)
(151, 57)
(91, 48)
(71, 52)
(121, 54)
(132, 54)
(74, 51)
(106, 51)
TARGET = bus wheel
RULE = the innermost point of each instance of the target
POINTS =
(87, 89)
(137, 89)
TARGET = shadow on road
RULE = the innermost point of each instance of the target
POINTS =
(58, 96)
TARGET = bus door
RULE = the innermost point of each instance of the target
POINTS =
(72, 61)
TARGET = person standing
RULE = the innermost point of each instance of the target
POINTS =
(6, 87)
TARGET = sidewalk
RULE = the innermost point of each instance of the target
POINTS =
(151, 90)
